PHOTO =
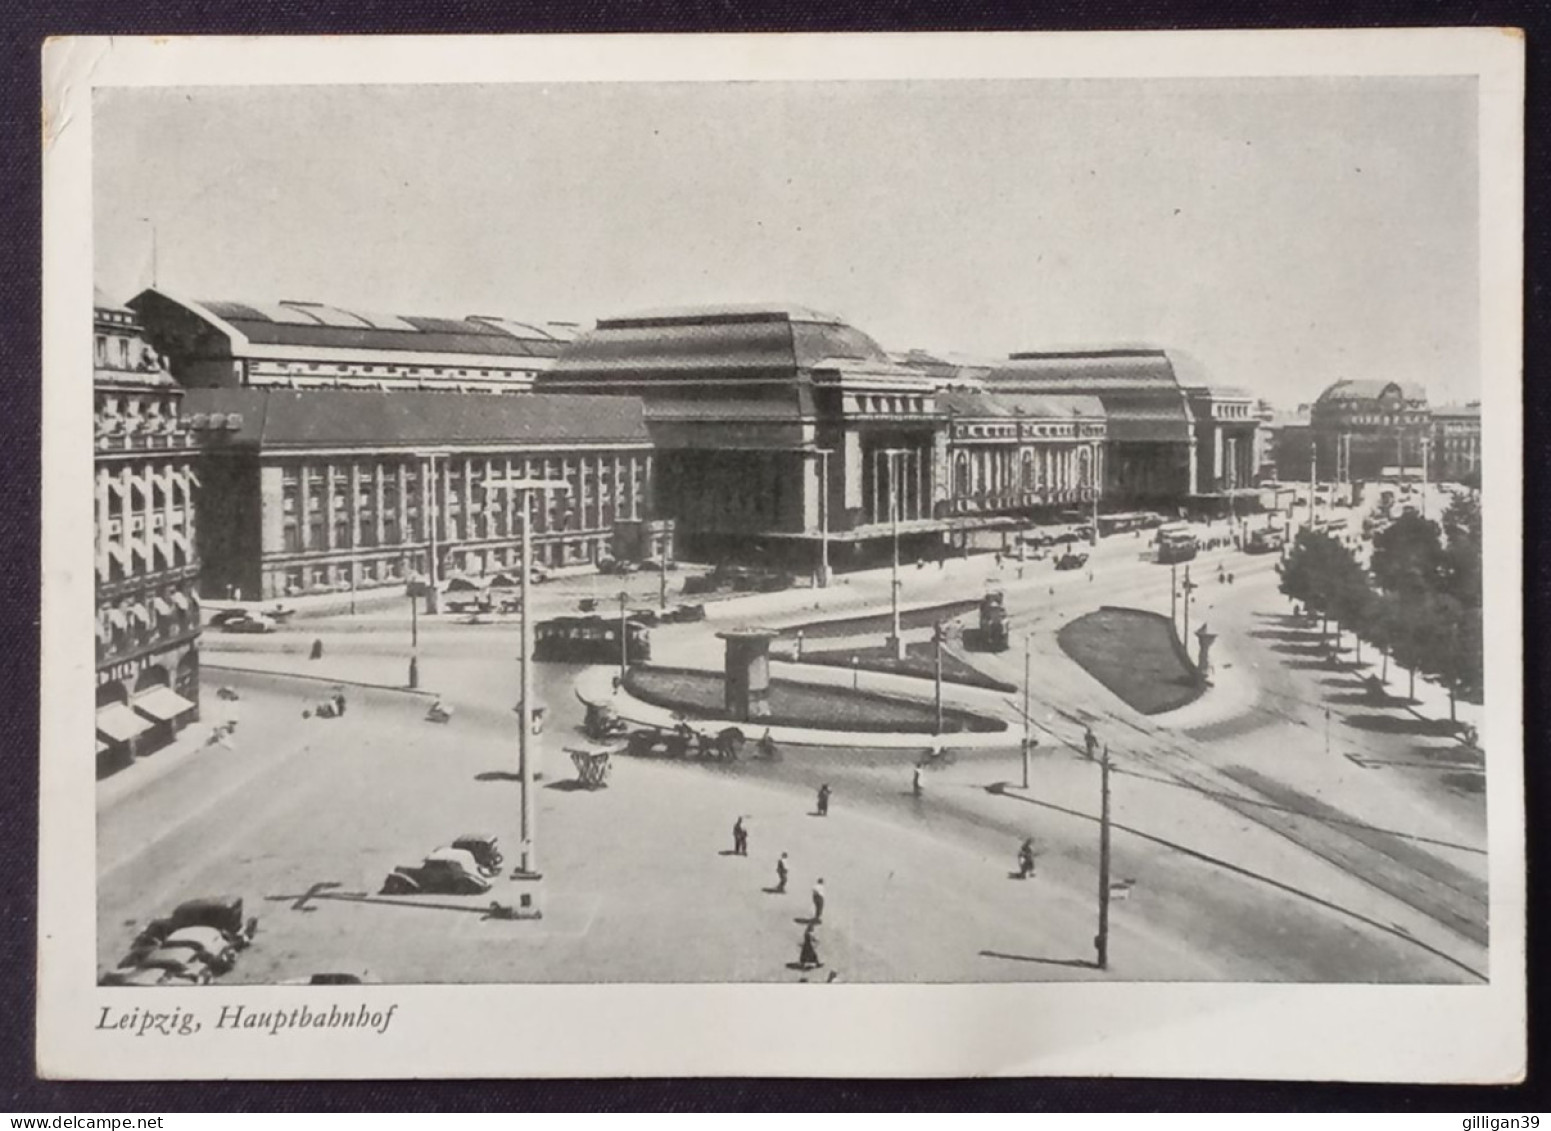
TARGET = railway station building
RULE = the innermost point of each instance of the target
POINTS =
(780, 430)
(1167, 444)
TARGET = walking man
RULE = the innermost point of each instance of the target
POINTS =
(818, 902)
(824, 800)
(740, 838)
(1026, 858)
(1090, 742)
(808, 952)
(781, 874)
(915, 781)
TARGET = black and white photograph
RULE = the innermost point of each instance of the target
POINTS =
(829, 525)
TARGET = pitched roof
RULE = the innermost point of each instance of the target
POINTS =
(760, 343)
(1141, 395)
(305, 325)
(1371, 391)
(287, 418)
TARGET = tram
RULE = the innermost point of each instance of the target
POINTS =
(590, 640)
(1176, 543)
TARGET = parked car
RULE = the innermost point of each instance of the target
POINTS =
(350, 977)
(485, 850)
(160, 970)
(248, 622)
(447, 871)
(195, 944)
(215, 949)
(1071, 560)
(617, 566)
(223, 616)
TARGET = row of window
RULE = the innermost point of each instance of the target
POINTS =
(337, 576)
(350, 369)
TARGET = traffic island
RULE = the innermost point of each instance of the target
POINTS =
(702, 695)
(1136, 655)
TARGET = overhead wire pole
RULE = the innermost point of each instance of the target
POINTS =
(624, 635)
(1101, 940)
(896, 642)
(824, 454)
(1028, 655)
(527, 866)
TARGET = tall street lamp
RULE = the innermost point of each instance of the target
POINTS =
(527, 867)
(896, 642)
(1101, 940)
(823, 454)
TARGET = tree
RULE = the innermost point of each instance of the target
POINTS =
(1408, 557)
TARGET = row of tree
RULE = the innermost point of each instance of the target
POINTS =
(1419, 602)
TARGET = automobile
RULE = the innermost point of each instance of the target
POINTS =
(160, 973)
(333, 978)
(223, 616)
(485, 850)
(1071, 560)
(248, 622)
(617, 566)
(212, 948)
(657, 565)
(447, 871)
(224, 913)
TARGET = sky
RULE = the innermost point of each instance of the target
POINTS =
(1282, 233)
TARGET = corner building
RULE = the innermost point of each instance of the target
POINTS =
(146, 559)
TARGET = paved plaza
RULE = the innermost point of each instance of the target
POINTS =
(1253, 839)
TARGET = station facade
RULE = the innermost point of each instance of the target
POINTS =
(146, 552)
(783, 433)
(1166, 443)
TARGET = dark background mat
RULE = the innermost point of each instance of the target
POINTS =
(22, 30)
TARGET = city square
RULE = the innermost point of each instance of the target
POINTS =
(657, 631)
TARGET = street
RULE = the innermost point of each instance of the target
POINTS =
(1248, 845)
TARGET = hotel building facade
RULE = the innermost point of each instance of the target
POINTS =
(146, 543)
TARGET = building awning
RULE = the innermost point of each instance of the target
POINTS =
(162, 606)
(162, 704)
(117, 618)
(119, 723)
(103, 747)
(181, 600)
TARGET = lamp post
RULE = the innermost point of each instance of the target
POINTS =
(1101, 940)
(939, 633)
(896, 642)
(527, 867)
(1028, 736)
(1188, 587)
(414, 634)
(624, 639)
(823, 454)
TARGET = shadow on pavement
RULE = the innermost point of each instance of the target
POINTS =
(1075, 963)
(1388, 724)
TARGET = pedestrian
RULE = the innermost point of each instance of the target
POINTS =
(339, 702)
(808, 953)
(915, 780)
(781, 873)
(824, 800)
(1026, 858)
(1090, 742)
(818, 902)
(740, 838)
(1230, 579)
(317, 649)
